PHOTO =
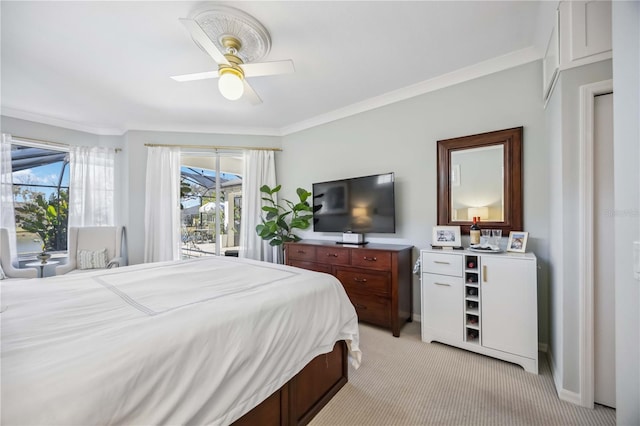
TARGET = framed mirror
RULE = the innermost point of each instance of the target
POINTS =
(481, 176)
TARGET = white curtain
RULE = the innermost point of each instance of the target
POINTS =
(7, 213)
(259, 169)
(91, 186)
(162, 205)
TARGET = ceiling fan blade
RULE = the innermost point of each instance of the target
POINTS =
(203, 40)
(268, 68)
(251, 94)
(196, 76)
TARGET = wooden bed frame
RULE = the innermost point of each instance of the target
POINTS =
(302, 397)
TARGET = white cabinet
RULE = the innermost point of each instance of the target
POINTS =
(486, 303)
(585, 32)
(441, 310)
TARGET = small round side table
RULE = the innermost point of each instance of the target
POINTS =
(42, 265)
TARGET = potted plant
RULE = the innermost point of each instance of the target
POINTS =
(280, 221)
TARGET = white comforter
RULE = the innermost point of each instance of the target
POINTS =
(193, 342)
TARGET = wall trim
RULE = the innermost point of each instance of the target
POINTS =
(481, 69)
(43, 119)
(586, 206)
(563, 394)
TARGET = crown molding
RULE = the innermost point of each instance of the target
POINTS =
(102, 131)
(218, 130)
(481, 69)
(501, 63)
(43, 119)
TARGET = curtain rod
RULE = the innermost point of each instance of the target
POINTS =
(46, 142)
(213, 147)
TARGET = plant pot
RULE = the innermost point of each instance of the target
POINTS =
(43, 257)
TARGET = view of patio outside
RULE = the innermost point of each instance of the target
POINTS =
(200, 212)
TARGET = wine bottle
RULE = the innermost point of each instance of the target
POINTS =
(474, 232)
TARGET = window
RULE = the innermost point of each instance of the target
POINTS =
(41, 195)
(210, 201)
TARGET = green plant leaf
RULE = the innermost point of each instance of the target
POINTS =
(303, 194)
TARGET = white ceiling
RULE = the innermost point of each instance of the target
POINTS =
(104, 67)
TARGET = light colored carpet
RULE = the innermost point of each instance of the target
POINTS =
(403, 381)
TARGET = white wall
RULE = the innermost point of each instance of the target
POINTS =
(402, 138)
(556, 245)
(626, 130)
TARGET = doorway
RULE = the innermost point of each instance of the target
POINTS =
(604, 244)
(210, 202)
(595, 246)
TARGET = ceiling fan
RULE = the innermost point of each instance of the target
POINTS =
(235, 41)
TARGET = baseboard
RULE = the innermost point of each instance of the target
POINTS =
(543, 347)
(563, 394)
(416, 318)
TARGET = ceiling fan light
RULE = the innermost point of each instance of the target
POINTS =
(230, 86)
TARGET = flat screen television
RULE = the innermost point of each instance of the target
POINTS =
(362, 205)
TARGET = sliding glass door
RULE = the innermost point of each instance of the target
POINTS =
(210, 201)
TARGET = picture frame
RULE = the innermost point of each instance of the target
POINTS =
(446, 236)
(517, 241)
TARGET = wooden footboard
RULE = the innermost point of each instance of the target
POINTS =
(302, 397)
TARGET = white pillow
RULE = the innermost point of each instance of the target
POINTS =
(92, 259)
(2, 275)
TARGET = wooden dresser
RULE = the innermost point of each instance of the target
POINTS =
(376, 277)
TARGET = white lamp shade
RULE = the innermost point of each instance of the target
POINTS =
(231, 86)
(481, 212)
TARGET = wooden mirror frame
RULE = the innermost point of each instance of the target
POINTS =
(511, 141)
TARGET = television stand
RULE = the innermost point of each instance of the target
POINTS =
(377, 277)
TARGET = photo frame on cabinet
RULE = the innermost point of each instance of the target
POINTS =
(517, 241)
(446, 236)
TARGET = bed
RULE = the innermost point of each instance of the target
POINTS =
(201, 341)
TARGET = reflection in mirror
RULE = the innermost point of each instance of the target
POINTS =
(477, 184)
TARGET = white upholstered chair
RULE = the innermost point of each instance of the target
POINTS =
(5, 259)
(85, 241)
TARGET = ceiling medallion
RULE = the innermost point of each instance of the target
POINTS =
(222, 22)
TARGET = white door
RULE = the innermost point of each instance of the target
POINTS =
(603, 238)
(509, 307)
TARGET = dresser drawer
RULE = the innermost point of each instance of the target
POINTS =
(366, 282)
(301, 252)
(333, 255)
(311, 266)
(442, 263)
(371, 259)
(372, 308)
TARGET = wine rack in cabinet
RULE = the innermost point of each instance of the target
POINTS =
(485, 303)
(472, 299)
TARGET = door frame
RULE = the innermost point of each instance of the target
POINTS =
(585, 239)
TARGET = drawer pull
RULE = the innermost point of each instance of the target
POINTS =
(359, 306)
(332, 255)
(444, 284)
(360, 280)
(370, 259)
(441, 262)
(301, 251)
